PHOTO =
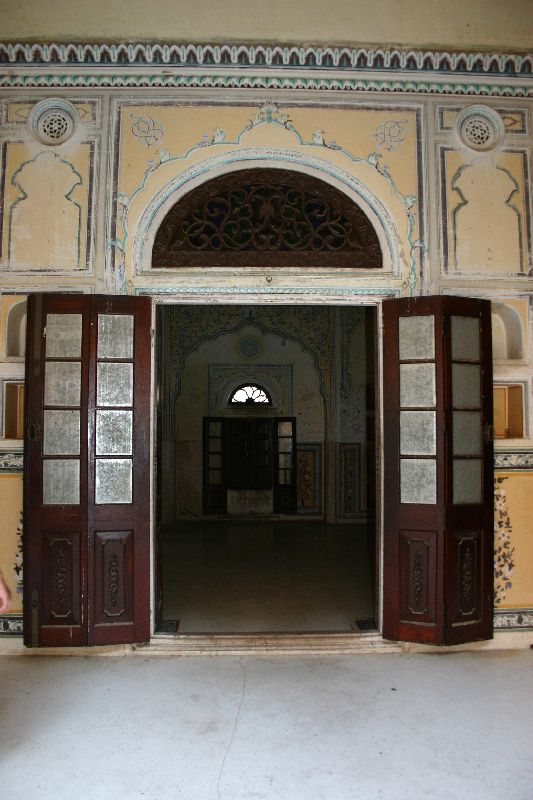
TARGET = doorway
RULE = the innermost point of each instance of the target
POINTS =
(266, 510)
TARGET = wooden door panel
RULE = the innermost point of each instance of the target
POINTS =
(418, 571)
(466, 591)
(61, 595)
(438, 510)
(113, 592)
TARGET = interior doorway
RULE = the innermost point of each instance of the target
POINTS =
(266, 469)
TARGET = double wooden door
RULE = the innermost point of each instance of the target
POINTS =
(249, 454)
(87, 470)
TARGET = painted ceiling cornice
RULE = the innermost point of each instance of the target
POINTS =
(264, 67)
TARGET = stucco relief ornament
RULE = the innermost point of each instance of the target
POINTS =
(147, 130)
(217, 136)
(319, 137)
(391, 135)
(270, 114)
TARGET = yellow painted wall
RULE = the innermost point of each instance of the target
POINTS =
(514, 540)
(10, 540)
(131, 146)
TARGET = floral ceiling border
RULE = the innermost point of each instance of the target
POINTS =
(64, 65)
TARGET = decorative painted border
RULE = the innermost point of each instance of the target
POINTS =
(518, 618)
(315, 448)
(11, 625)
(104, 65)
(11, 462)
(334, 291)
(247, 55)
(349, 494)
(513, 462)
(90, 80)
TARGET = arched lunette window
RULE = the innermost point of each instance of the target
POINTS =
(266, 218)
(249, 394)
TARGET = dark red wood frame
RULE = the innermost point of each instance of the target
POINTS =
(440, 530)
(75, 551)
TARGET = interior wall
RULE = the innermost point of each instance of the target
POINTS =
(453, 218)
(319, 378)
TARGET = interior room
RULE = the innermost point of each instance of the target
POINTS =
(266, 468)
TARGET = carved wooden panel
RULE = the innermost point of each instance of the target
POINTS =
(61, 578)
(467, 574)
(112, 575)
(268, 218)
(418, 566)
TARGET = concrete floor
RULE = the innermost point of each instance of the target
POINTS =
(393, 727)
(256, 576)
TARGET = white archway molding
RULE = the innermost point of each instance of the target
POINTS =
(138, 251)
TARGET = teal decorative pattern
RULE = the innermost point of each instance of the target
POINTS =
(343, 69)
(89, 79)
(294, 57)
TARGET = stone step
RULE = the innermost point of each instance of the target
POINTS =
(267, 644)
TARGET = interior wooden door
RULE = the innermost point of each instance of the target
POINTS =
(249, 448)
(438, 461)
(87, 470)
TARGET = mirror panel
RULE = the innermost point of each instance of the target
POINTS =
(417, 338)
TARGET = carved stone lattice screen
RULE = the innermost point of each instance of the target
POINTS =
(266, 218)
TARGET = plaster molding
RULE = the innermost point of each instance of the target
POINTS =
(185, 293)
(247, 55)
(230, 161)
(104, 65)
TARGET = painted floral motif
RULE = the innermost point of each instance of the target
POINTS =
(391, 135)
(17, 567)
(146, 130)
(503, 548)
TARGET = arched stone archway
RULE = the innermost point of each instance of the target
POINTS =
(152, 214)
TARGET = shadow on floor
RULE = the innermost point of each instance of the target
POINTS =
(262, 576)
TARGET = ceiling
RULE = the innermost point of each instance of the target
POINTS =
(448, 24)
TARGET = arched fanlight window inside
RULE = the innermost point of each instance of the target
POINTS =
(250, 394)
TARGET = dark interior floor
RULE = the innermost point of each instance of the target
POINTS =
(258, 576)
